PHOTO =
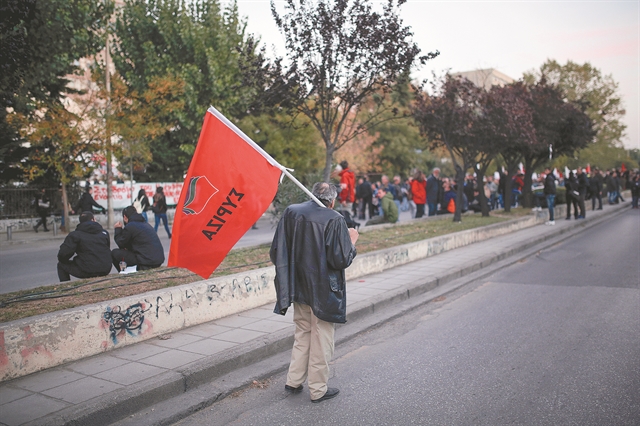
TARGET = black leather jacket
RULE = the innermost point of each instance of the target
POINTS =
(311, 249)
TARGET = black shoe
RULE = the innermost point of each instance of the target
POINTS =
(567, 218)
(46, 230)
(35, 228)
(291, 389)
(331, 393)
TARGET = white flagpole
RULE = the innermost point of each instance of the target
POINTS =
(265, 154)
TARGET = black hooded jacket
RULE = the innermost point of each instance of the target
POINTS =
(311, 249)
(140, 238)
(550, 184)
(91, 244)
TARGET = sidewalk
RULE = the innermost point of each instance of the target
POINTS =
(108, 388)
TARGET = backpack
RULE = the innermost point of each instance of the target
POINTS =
(138, 205)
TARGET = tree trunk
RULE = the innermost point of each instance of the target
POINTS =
(507, 191)
(527, 195)
(328, 162)
(65, 209)
(457, 216)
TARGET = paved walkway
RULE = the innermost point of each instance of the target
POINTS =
(100, 389)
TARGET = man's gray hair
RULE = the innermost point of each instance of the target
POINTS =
(325, 192)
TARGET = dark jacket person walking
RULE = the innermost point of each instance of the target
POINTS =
(86, 203)
(311, 249)
(90, 243)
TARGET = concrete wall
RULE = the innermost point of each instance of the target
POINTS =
(44, 341)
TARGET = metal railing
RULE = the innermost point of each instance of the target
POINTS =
(16, 203)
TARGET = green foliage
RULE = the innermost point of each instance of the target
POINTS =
(198, 45)
(40, 44)
(290, 193)
(342, 57)
(402, 148)
(584, 85)
(295, 145)
(57, 144)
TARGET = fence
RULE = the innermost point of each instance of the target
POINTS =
(16, 203)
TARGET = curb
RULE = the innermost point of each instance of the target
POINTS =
(193, 388)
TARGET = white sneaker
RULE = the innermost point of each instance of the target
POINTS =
(550, 222)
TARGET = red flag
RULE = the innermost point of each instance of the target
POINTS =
(230, 183)
(623, 168)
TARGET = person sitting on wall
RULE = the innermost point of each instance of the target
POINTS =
(389, 209)
(90, 243)
(138, 242)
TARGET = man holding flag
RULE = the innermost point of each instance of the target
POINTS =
(230, 183)
(311, 249)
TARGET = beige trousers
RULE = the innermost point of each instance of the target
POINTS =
(312, 351)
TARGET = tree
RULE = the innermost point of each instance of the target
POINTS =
(450, 118)
(340, 55)
(293, 144)
(59, 144)
(137, 118)
(399, 147)
(512, 129)
(41, 42)
(583, 84)
(199, 45)
(561, 129)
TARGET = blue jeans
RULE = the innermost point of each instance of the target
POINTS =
(162, 216)
(433, 208)
(551, 203)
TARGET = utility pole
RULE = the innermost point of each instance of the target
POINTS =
(110, 217)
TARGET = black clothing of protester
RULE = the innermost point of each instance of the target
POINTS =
(144, 202)
(550, 184)
(571, 187)
(365, 193)
(468, 190)
(595, 189)
(86, 203)
(311, 249)
(138, 245)
(41, 203)
(160, 203)
(433, 189)
(583, 186)
(90, 243)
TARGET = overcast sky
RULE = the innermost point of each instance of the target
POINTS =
(513, 37)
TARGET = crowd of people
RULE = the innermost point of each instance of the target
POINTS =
(431, 195)
(86, 251)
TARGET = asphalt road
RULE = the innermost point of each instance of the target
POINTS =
(33, 264)
(552, 340)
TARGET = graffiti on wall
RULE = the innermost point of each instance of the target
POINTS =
(238, 288)
(396, 258)
(121, 322)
